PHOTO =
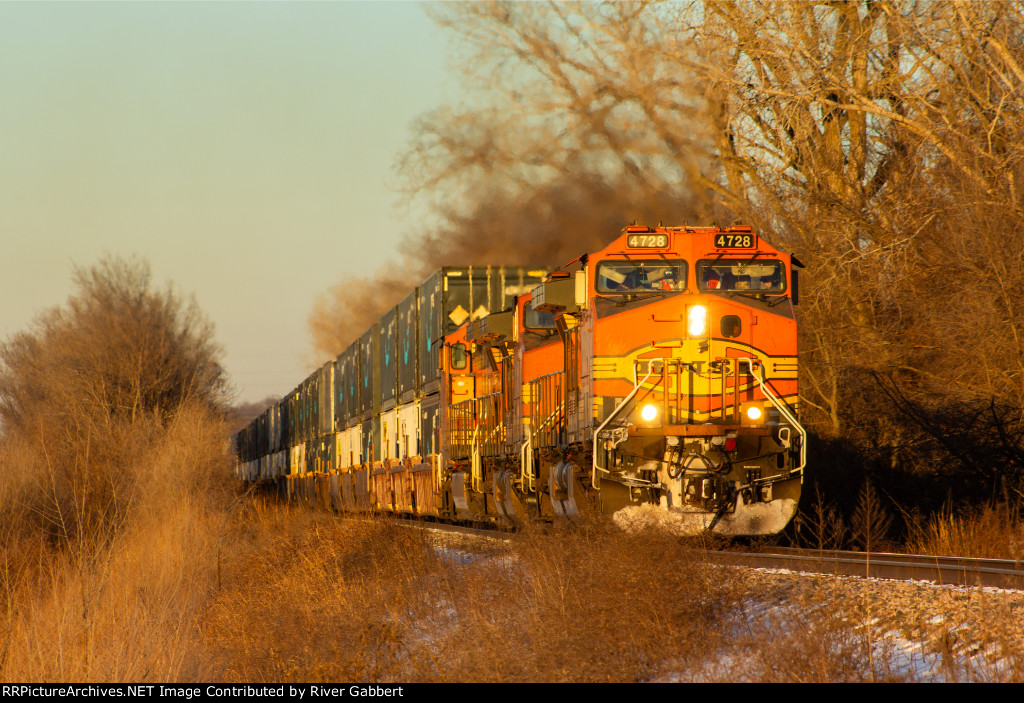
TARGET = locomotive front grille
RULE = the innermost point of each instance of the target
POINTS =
(672, 388)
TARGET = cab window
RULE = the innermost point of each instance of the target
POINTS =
(756, 276)
(641, 276)
(535, 321)
(459, 356)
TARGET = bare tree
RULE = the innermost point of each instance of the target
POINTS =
(824, 522)
(119, 349)
(882, 142)
(870, 522)
(561, 88)
(578, 125)
(854, 131)
(91, 384)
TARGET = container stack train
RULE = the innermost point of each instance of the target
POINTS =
(658, 374)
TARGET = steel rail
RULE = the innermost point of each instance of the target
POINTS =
(943, 570)
(956, 571)
(488, 532)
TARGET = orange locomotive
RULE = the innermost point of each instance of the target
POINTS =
(655, 377)
(659, 371)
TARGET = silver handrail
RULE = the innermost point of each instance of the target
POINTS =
(618, 409)
(783, 410)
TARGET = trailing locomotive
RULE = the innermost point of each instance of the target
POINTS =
(660, 371)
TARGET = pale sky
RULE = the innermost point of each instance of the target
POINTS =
(244, 149)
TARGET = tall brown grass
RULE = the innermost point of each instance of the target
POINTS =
(311, 597)
(122, 604)
(201, 582)
(993, 531)
(369, 601)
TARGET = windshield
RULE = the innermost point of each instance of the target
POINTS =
(758, 275)
(640, 276)
(534, 320)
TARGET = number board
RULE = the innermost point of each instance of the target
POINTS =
(731, 240)
(647, 241)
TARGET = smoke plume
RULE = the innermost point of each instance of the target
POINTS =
(548, 226)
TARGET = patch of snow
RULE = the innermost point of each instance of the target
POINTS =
(456, 556)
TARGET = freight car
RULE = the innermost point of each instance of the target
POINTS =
(659, 373)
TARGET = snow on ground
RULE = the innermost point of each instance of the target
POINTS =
(867, 628)
(917, 630)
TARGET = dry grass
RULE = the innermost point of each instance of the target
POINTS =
(310, 596)
(370, 601)
(199, 584)
(354, 600)
(123, 605)
(992, 531)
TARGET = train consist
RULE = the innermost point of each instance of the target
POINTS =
(660, 371)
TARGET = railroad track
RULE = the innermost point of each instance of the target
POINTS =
(956, 571)
(453, 528)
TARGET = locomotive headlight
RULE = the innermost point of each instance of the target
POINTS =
(753, 413)
(697, 320)
(649, 412)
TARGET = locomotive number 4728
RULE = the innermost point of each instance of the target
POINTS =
(728, 240)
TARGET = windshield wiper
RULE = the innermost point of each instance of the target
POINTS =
(734, 293)
(749, 261)
(620, 299)
(647, 295)
(762, 297)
